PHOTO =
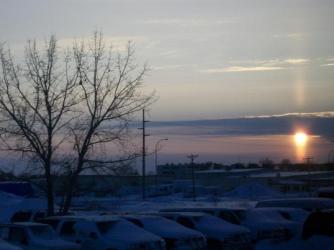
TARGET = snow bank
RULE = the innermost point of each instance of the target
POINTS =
(252, 191)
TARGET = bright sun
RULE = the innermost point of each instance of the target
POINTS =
(300, 138)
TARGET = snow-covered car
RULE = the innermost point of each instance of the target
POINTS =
(175, 235)
(22, 209)
(273, 223)
(104, 233)
(7, 246)
(308, 204)
(237, 216)
(32, 236)
(319, 223)
(28, 215)
(227, 214)
(219, 234)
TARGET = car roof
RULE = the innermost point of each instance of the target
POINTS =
(23, 224)
(186, 214)
(195, 209)
(94, 218)
(142, 216)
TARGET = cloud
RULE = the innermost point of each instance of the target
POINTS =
(119, 43)
(327, 65)
(167, 67)
(323, 114)
(259, 65)
(296, 61)
(187, 22)
(291, 35)
(240, 69)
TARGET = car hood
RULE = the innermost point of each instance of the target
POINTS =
(126, 234)
(55, 244)
(220, 230)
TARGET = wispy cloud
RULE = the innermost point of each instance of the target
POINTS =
(187, 22)
(240, 69)
(119, 43)
(167, 67)
(296, 61)
(330, 62)
(327, 65)
(258, 65)
(323, 114)
(290, 35)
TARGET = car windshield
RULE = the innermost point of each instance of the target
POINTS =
(43, 231)
(241, 214)
(105, 226)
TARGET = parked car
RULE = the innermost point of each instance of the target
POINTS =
(104, 233)
(31, 236)
(7, 246)
(227, 214)
(238, 215)
(308, 204)
(220, 234)
(20, 210)
(28, 215)
(276, 224)
(175, 235)
(319, 223)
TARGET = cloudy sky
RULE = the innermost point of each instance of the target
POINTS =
(209, 58)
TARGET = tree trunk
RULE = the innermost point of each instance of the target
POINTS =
(50, 196)
(69, 194)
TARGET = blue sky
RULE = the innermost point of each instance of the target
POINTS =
(209, 58)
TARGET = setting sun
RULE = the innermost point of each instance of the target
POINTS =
(300, 138)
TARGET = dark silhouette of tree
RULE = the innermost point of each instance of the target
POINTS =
(64, 110)
(267, 163)
(35, 99)
(109, 86)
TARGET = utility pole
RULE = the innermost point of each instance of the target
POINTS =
(144, 157)
(192, 157)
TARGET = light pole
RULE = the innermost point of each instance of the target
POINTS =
(156, 159)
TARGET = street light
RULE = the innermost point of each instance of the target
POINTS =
(156, 158)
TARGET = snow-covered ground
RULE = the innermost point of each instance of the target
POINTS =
(244, 196)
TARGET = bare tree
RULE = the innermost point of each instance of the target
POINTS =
(110, 87)
(35, 100)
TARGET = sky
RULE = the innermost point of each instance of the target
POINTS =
(209, 59)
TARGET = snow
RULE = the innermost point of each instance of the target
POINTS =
(215, 227)
(209, 225)
(117, 231)
(245, 197)
(164, 227)
(120, 231)
(228, 171)
(288, 174)
(252, 191)
(309, 203)
(314, 243)
(12, 204)
(6, 246)
(43, 238)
